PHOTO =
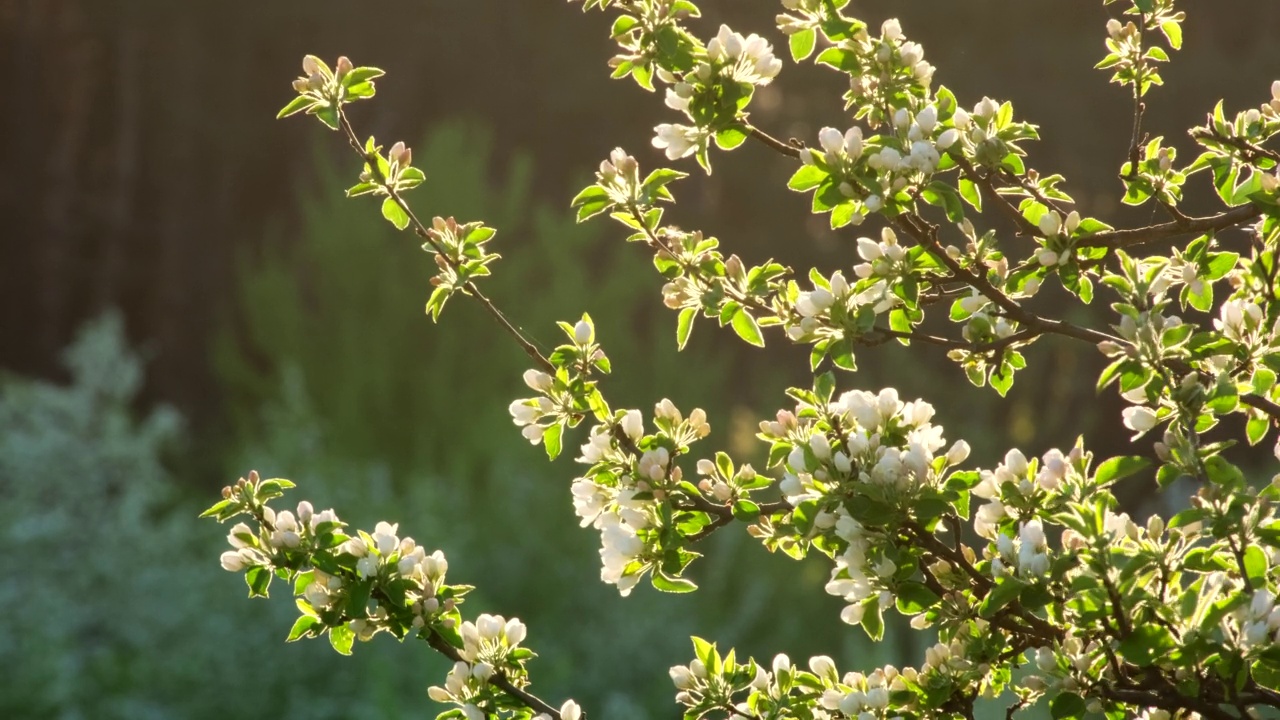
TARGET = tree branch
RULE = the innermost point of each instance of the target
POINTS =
(528, 699)
(1138, 236)
(421, 231)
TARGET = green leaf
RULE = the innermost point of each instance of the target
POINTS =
(746, 511)
(1255, 565)
(915, 598)
(218, 508)
(342, 638)
(1067, 705)
(969, 191)
(301, 626)
(1173, 33)
(747, 329)
(1146, 644)
(802, 44)
(327, 115)
(684, 326)
(258, 579)
(395, 214)
(361, 75)
(551, 440)
(665, 583)
(296, 105)
(1119, 467)
(1007, 589)
(731, 137)
(591, 202)
(807, 177)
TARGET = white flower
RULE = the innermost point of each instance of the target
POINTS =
(747, 59)
(679, 141)
(1050, 223)
(852, 614)
(987, 518)
(822, 666)
(891, 29)
(1238, 319)
(678, 96)
(986, 108)
(1139, 418)
(947, 139)
(570, 711)
(927, 119)
(887, 159)
(831, 140)
(912, 53)
(522, 413)
(582, 332)
(619, 546)
(633, 425)
(233, 561)
(681, 677)
(814, 302)
(384, 536)
(234, 538)
(537, 380)
(958, 453)
(367, 566)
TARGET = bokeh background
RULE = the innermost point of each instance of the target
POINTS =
(185, 294)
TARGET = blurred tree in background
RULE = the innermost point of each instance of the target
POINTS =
(287, 325)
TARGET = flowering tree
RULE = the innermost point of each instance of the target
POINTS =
(1053, 596)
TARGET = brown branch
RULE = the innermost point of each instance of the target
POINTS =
(774, 143)
(1251, 152)
(529, 700)
(1138, 236)
(1263, 404)
(419, 229)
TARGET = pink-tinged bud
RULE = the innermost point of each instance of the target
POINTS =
(311, 65)
(342, 67)
(733, 268)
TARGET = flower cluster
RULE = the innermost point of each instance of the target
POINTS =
(323, 91)
(630, 490)
(565, 397)
(713, 93)
(352, 587)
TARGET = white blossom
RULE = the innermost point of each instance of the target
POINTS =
(1139, 419)
(678, 141)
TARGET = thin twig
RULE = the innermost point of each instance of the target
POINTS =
(420, 230)
(529, 700)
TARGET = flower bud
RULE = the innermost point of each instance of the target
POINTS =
(823, 667)
(233, 561)
(582, 332)
(342, 67)
(537, 380)
(891, 29)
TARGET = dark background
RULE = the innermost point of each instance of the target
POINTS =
(141, 169)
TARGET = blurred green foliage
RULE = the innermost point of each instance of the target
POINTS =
(110, 606)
